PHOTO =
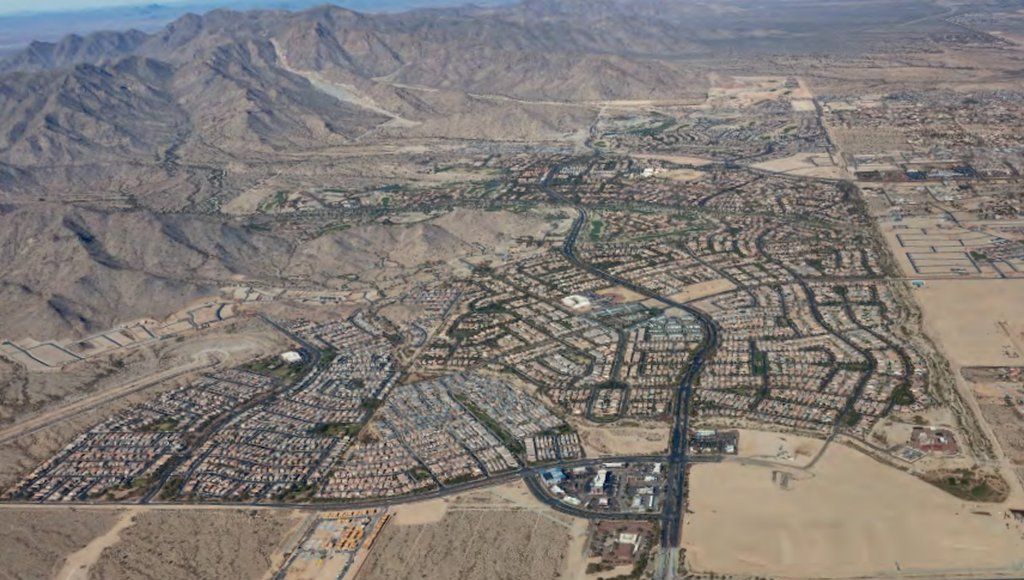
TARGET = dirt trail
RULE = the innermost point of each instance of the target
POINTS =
(77, 565)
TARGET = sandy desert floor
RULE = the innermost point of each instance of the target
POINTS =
(78, 543)
(491, 534)
(196, 544)
(977, 322)
(847, 516)
(34, 543)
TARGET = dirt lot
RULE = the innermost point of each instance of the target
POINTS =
(34, 542)
(23, 392)
(79, 565)
(621, 295)
(680, 159)
(777, 446)
(172, 543)
(849, 515)
(978, 322)
(703, 290)
(71, 543)
(626, 437)
(804, 164)
(491, 534)
(746, 91)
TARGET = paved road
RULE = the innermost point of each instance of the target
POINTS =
(498, 479)
(215, 426)
(202, 360)
(675, 496)
(676, 460)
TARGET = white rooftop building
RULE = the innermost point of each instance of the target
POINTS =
(576, 302)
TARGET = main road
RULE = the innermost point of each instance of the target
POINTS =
(675, 493)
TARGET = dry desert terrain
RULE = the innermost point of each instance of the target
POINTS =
(847, 516)
(500, 533)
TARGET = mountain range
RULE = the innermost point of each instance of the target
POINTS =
(223, 86)
(117, 136)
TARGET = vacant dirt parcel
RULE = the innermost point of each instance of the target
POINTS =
(66, 542)
(629, 437)
(501, 533)
(34, 542)
(185, 543)
(848, 516)
(977, 322)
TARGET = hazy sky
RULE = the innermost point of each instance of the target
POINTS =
(22, 21)
(34, 6)
(8, 6)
